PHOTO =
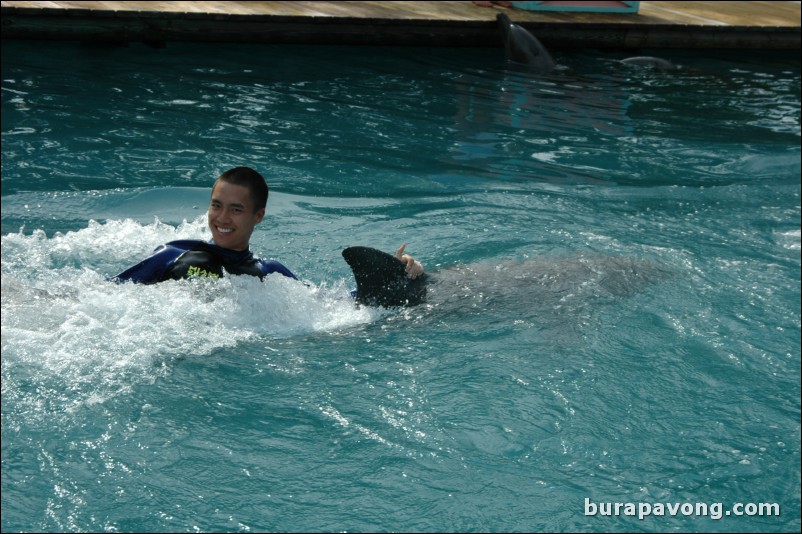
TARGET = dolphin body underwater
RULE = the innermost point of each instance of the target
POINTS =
(381, 280)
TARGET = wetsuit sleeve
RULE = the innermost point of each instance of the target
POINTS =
(272, 266)
(151, 269)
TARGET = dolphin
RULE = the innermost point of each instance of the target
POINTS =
(548, 283)
(650, 61)
(522, 47)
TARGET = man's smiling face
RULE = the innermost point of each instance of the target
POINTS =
(232, 216)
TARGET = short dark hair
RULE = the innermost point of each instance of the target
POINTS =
(247, 177)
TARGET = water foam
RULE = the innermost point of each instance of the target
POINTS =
(83, 339)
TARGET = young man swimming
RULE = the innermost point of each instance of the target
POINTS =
(238, 203)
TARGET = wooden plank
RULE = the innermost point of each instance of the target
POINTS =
(782, 14)
(442, 23)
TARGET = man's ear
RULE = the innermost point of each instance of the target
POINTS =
(260, 215)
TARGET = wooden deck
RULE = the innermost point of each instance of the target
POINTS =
(660, 24)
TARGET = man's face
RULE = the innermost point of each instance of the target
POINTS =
(232, 216)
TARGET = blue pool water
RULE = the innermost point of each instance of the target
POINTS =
(624, 325)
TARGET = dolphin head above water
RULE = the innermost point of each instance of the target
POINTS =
(522, 47)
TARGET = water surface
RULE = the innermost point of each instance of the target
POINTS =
(626, 326)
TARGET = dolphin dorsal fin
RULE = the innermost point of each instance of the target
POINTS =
(381, 279)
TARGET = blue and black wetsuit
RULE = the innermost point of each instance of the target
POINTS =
(192, 258)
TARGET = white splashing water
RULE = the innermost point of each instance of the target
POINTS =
(79, 338)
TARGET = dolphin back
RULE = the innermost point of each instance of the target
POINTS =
(650, 61)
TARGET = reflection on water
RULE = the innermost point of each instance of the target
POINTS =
(548, 126)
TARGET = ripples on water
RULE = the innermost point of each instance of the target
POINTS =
(621, 322)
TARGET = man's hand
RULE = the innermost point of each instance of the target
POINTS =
(414, 268)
